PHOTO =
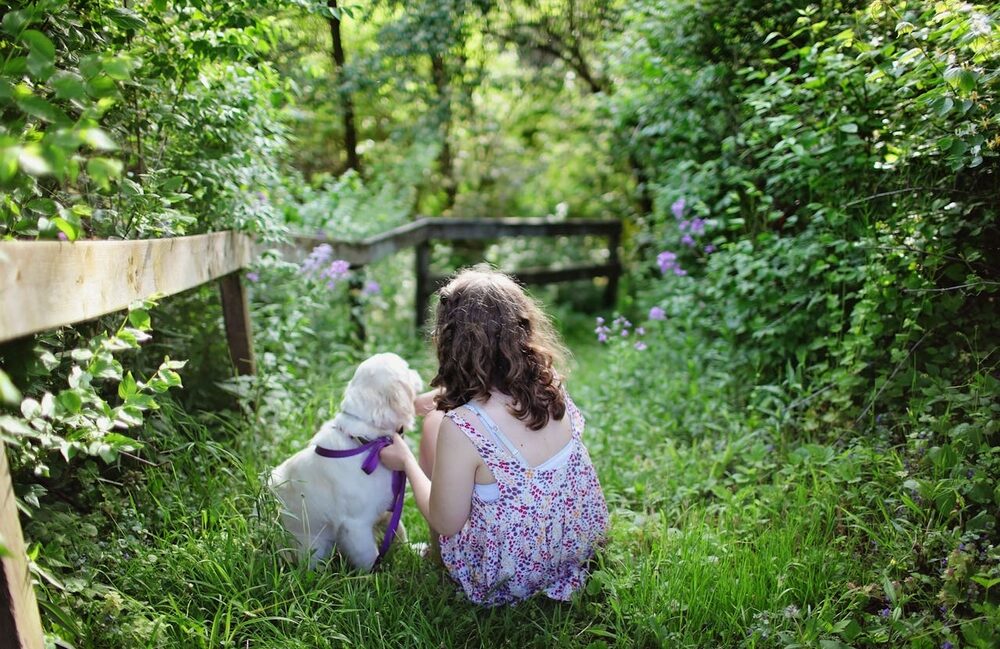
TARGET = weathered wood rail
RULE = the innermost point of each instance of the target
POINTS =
(49, 284)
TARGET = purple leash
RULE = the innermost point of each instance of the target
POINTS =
(369, 465)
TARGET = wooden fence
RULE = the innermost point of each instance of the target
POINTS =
(49, 284)
(421, 234)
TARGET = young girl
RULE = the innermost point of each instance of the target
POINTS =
(512, 492)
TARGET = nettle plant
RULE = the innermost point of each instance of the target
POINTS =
(100, 399)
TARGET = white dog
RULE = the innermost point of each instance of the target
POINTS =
(331, 502)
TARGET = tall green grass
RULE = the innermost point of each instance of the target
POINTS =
(725, 533)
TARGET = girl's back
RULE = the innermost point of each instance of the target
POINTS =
(537, 509)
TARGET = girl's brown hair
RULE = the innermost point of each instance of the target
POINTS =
(490, 335)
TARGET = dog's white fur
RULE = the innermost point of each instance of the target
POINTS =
(330, 502)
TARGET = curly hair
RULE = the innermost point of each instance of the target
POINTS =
(490, 335)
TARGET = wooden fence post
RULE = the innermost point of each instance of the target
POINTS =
(611, 290)
(355, 288)
(423, 273)
(236, 314)
(20, 623)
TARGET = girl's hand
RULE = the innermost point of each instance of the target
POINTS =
(424, 403)
(395, 456)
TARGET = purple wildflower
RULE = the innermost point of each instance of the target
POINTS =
(678, 208)
(885, 612)
(680, 272)
(62, 236)
(253, 277)
(336, 271)
(684, 225)
(317, 258)
(639, 345)
(698, 226)
(946, 645)
(624, 333)
(656, 313)
(600, 320)
(666, 260)
(371, 288)
(602, 337)
(709, 249)
(688, 240)
(640, 331)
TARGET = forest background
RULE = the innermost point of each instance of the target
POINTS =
(794, 404)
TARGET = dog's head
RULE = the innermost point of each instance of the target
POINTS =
(379, 398)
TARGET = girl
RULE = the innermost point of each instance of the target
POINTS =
(504, 478)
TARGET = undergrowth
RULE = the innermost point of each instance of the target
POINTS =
(729, 530)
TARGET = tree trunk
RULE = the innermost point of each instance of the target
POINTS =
(346, 103)
(445, 159)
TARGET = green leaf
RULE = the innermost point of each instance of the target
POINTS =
(15, 21)
(43, 110)
(9, 393)
(71, 230)
(125, 18)
(117, 68)
(849, 128)
(833, 644)
(39, 42)
(985, 581)
(103, 170)
(68, 85)
(70, 401)
(32, 162)
(8, 162)
(139, 319)
(961, 78)
(98, 139)
(41, 54)
(127, 387)
(943, 457)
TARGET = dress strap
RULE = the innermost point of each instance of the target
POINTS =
(495, 431)
(576, 420)
(484, 444)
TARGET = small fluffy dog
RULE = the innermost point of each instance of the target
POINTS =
(330, 502)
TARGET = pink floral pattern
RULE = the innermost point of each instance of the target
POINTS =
(541, 532)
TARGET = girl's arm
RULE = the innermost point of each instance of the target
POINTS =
(446, 499)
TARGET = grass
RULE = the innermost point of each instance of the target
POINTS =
(725, 534)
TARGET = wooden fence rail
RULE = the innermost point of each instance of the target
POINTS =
(423, 232)
(49, 284)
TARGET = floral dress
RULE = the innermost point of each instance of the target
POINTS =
(538, 528)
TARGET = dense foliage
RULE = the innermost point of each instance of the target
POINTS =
(793, 411)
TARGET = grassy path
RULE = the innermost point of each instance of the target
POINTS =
(722, 537)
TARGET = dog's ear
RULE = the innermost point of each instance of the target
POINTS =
(400, 401)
